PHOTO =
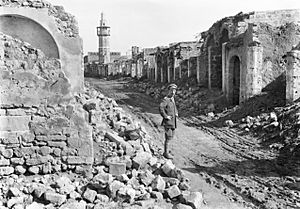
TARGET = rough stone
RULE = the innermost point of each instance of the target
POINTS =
(157, 195)
(89, 195)
(4, 162)
(102, 198)
(146, 177)
(44, 151)
(194, 199)
(7, 153)
(114, 187)
(6, 171)
(158, 184)
(117, 169)
(56, 199)
(65, 185)
(34, 169)
(57, 144)
(104, 178)
(20, 169)
(72, 204)
(17, 161)
(35, 205)
(141, 159)
(168, 167)
(173, 191)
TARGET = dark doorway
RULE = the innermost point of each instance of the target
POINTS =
(234, 72)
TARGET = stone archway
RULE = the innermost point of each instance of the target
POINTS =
(28, 30)
(234, 80)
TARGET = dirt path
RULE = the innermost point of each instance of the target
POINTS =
(210, 157)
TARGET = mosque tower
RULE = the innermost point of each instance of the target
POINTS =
(103, 32)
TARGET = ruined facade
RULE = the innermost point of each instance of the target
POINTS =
(242, 54)
(43, 126)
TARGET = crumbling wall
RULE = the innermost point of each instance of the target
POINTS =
(65, 22)
(49, 29)
(276, 42)
(43, 128)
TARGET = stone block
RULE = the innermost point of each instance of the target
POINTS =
(9, 137)
(171, 181)
(141, 159)
(114, 187)
(194, 199)
(15, 201)
(173, 191)
(146, 177)
(38, 160)
(27, 137)
(15, 112)
(103, 178)
(102, 198)
(46, 168)
(116, 168)
(34, 169)
(54, 198)
(78, 160)
(20, 169)
(6, 171)
(127, 194)
(57, 144)
(158, 184)
(15, 192)
(56, 152)
(65, 185)
(44, 151)
(73, 142)
(17, 161)
(7, 153)
(157, 195)
(89, 195)
(74, 205)
(57, 138)
(4, 162)
(35, 205)
(14, 123)
(168, 167)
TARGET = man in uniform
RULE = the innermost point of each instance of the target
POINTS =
(168, 111)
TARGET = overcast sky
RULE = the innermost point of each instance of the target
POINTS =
(151, 23)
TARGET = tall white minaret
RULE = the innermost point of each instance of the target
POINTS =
(103, 32)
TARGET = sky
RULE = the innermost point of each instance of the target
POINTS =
(151, 23)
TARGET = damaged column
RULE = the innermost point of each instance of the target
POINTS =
(293, 75)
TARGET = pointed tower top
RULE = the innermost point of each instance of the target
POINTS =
(103, 21)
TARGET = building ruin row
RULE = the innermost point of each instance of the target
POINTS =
(241, 55)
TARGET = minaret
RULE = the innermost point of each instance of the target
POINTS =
(103, 32)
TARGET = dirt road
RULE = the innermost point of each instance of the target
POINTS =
(229, 168)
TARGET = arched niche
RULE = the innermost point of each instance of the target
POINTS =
(30, 31)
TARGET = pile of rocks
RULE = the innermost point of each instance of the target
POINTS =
(189, 98)
(125, 173)
(66, 23)
(140, 189)
(124, 161)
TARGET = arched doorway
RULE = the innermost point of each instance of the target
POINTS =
(31, 32)
(234, 80)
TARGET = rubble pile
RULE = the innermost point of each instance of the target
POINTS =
(66, 23)
(59, 150)
(126, 175)
(190, 98)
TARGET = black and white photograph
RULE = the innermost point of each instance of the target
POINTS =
(149, 104)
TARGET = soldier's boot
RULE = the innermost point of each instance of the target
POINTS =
(166, 150)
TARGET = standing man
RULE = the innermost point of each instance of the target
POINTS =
(168, 111)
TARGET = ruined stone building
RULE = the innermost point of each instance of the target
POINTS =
(241, 55)
(41, 123)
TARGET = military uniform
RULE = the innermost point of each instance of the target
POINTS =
(168, 108)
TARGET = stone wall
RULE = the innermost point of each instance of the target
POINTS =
(49, 29)
(43, 127)
(65, 22)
